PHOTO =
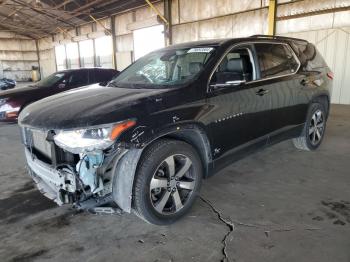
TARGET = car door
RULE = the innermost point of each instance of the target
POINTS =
(278, 69)
(91, 73)
(240, 113)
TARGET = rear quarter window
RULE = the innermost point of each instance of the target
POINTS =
(310, 58)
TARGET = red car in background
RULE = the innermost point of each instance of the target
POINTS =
(14, 100)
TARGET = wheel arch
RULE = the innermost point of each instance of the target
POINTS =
(125, 169)
(322, 99)
(192, 133)
(199, 141)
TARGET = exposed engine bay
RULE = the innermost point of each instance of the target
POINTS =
(85, 179)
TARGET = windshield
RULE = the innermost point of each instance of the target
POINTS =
(51, 80)
(164, 68)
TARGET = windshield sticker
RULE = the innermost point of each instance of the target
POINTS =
(200, 50)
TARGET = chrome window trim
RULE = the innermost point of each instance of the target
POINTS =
(251, 58)
(255, 42)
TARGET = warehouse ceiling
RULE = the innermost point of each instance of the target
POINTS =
(40, 18)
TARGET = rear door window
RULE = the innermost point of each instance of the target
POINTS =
(102, 75)
(78, 78)
(276, 60)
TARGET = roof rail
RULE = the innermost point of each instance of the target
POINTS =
(279, 37)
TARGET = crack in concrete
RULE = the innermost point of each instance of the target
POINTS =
(231, 225)
(228, 224)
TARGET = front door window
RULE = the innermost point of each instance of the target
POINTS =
(237, 65)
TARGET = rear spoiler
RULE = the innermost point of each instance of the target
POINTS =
(279, 38)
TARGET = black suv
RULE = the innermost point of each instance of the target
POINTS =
(174, 117)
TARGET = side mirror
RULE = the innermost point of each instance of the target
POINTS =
(61, 85)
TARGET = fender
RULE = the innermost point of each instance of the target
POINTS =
(141, 136)
(189, 131)
(320, 97)
(123, 179)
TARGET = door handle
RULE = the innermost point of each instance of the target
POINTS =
(262, 92)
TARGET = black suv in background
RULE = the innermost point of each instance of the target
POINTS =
(13, 101)
(174, 117)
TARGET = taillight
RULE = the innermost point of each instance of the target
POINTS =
(330, 75)
(12, 114)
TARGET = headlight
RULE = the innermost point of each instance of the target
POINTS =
(94, 138)
(3, 101)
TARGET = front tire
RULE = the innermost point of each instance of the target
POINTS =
(314, 128)
(167, 181)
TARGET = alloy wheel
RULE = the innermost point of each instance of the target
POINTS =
(316, 128)
(172, 184)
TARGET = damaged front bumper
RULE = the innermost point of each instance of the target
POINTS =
(89, 187)
(50, 180)
(87, 179)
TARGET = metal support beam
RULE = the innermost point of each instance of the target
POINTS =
(38, 55)
(167, 14)
(65, 32)
(77, 33)
(99, 22)
(114, 42)
(272, 17)
(66, 57)
(54, 51)
(157, 12)
(94, 49)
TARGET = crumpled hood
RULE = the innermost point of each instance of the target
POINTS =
(88, 106)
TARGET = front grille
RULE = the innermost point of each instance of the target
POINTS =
(36, 141)
(41, 144)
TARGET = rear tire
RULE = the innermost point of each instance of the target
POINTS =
(167, 181)
(314, 129)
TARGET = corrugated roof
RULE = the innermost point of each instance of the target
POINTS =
(40, 18)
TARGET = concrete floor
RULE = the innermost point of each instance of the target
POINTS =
(283, 205)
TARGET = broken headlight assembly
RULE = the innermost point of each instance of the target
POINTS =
(92, 138)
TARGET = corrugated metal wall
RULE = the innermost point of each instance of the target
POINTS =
(334, 45)
(47, 57)
(204, 19)
(17, 56)
(197, 19)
